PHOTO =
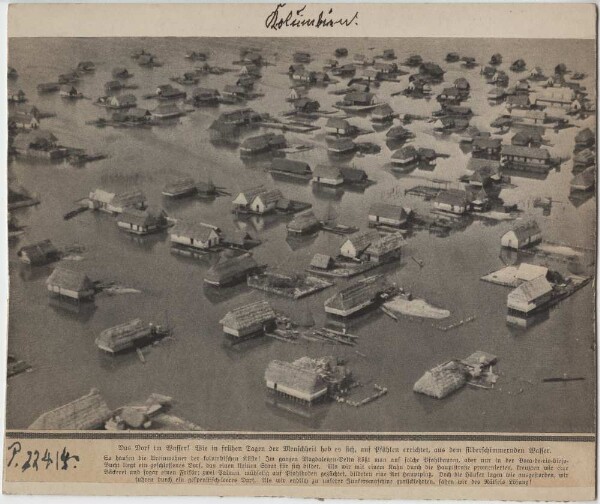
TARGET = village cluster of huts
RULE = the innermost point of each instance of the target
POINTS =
(528, 108)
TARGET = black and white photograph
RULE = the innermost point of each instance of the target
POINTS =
(294, 234)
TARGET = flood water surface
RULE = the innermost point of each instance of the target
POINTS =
(222, 388)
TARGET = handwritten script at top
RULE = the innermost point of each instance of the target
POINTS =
(297, 18)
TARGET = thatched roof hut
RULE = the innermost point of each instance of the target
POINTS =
(296, 380)
(230, 269)
(442, 380)
(248, 319)
(303, 223)
(86, 413)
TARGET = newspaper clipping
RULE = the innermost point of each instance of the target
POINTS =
(304, 250)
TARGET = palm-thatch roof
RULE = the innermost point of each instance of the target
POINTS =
(359, 292)
(386, 244)
(303, 222)
(248, 316)
(86, 413)
(296, 377)
(321, 261)
(230, 267)
(442, 380)
(69, 280)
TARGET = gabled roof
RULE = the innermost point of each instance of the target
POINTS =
(292, 376)
(228, 267)
(528, 272)
(406, 152)
(205, 93)
(337, 123)
(388, 211)
(148, 217)
(357, 293)
(533, 289)
(305, 220)
(290, 165)
(454, 197)
(527, 152)
(584, 136)
(351, 174)
(248, 315)
(129, 198)
(271, 196)
(124, 99)
(487, 142)
(383, 110)
(362, 240)
(387, 243)
(39, 250)
(397, 131)
(85, 413)
(327, 171)
(252, 192)
(585, 179)
(322, 261)
(195, 230)
(69, 279)
(526, 230)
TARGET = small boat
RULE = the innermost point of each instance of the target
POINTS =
(340, 52)
(129, 335)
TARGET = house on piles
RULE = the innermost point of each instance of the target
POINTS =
(529, 296)
(455, 201)
(356, 297)
(383, 113)
(303, 223)
(585, 138)
(405, 156)
(339, 127)
(121, 101)
(307, 380)
(19, 120)
(387, 248)
(486, 147)
(205, 97)
(306, 105)
(584, 181)
(266, 202)
(195, 236)
(245, 198)
(115, 203)
(291, 168)
(561, 97)
(527, 137)
(38, 143)
(70, 284)
(525, 158)
(328, 175)
(356, 244)
(522, 235)
(39, 253)
(142, 222)
(388, 215)
(249, 320)
(89, 412)
(231, 270)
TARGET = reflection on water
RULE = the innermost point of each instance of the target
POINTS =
(222, 387)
